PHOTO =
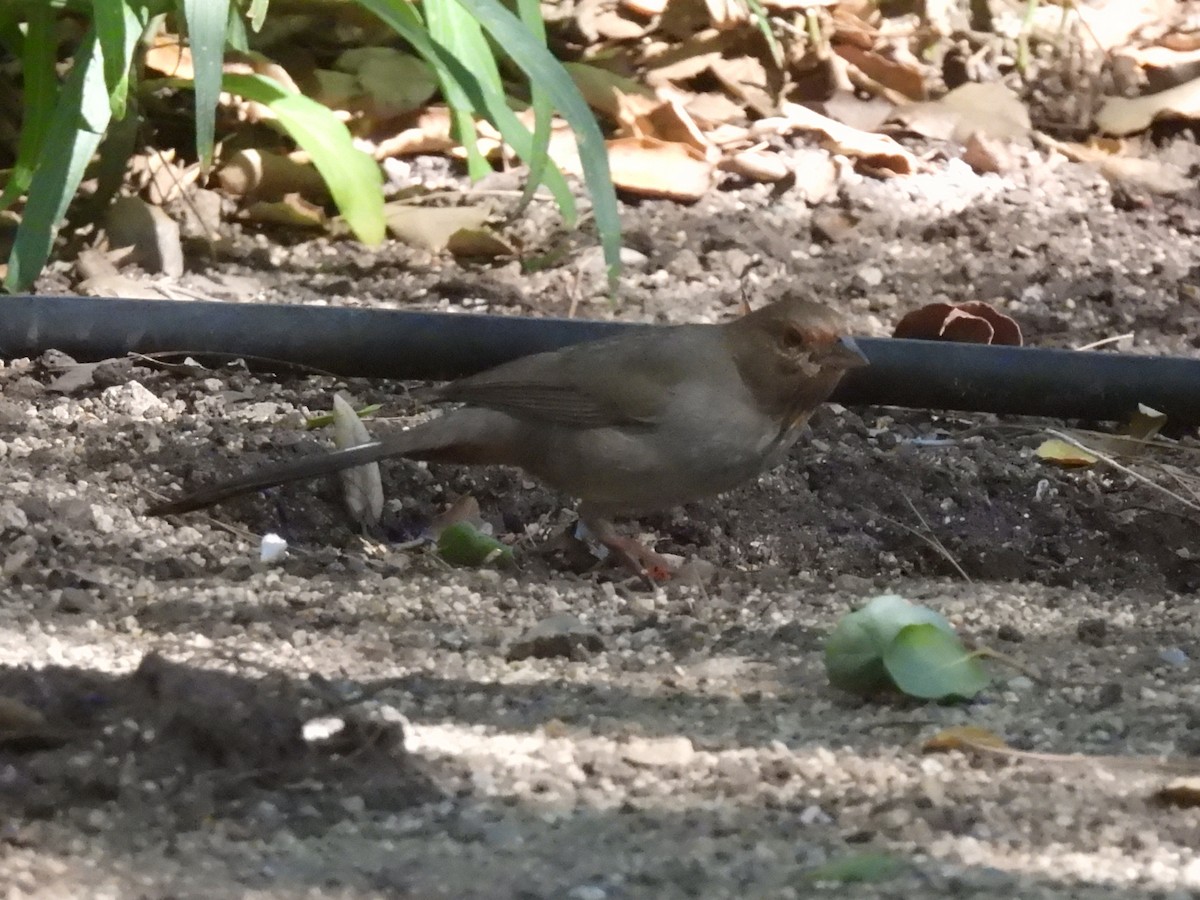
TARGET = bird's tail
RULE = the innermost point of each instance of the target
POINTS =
(462, 436)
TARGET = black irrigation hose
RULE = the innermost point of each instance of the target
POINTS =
(418, 345)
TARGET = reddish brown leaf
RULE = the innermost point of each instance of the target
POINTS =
(974, 322)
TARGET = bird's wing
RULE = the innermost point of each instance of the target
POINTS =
(624, 380)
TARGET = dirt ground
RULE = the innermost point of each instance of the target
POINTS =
(360, 720)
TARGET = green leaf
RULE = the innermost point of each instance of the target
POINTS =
(542, 69)
(462, 544)
(400, 15)
(854, 651)
(857, 868)
(352, 176)
(543, 110)
(453, 28)
(927, 662)
(109, 17)
(79, 121)
(38, 57)
(206, 24)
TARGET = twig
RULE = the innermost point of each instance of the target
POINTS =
(1120, 467)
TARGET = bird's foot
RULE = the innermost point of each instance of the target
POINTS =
(639, 558)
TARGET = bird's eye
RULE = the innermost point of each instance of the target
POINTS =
(793, 339)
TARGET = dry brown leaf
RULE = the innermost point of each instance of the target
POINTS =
(878, 152)
(479, 243)
(269, 176)
(1112, 23)
(608, 92)
(989, 109)
(1181, 41)
(1109, 156)
(604, 20)
(757, 165)
(973, 322)
(905, 78)
(430, 133)
(656, 168)
(1120, 115)
(291, 209)
(1160, 57)
(170, 57)
(645, 7)
(747, 79)
(669, 121)
(255, 64)
(711, 108)
(798, 4)
(725, 14)
(431, 227)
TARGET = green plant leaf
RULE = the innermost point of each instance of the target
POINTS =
(856, 868)
(453, 28)
(462, 544)
(927, 662)
(542, 69)
(38, 56)
(352, 176)
(206, 24)
(109, 17)
(854, 651)
(80, 118)
(401, 16)
(530, 12)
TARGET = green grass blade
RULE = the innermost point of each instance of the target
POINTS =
(451, 26)
(400, 16)
(41, 94)
(79, 121)
(109, 19)
(206, 24)
(530, 12)
(543, 69)
(353, 177)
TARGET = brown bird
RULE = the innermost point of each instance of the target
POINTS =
(628, 424)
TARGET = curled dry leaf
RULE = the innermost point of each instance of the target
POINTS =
(290, 210)
(877, 152)
(973, 322)
(655, 168)
(170, 57)
(757, 165)
(363, 485)
(429, 132)
(269, 176)
(1111, 158)
(905, 77)
(1120, 115)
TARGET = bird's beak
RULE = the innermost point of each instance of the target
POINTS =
(845, 355)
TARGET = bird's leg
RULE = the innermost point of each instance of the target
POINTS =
(632, 554)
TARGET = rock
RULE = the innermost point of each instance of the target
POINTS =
(559, 635)
(655, 752)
